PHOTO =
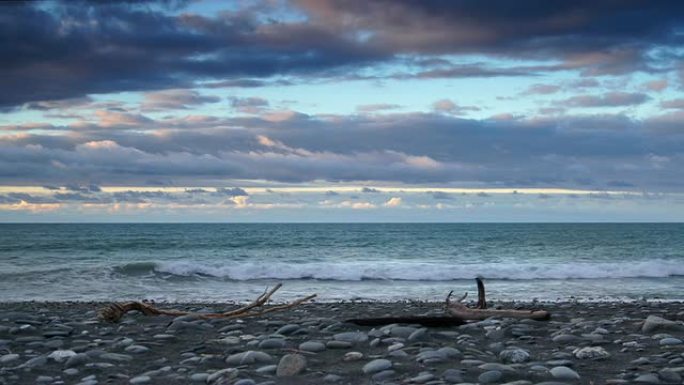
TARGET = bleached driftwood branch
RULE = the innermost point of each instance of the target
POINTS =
(115, 311)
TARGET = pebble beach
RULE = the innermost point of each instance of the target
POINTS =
(583, 343)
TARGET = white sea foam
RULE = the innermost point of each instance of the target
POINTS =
(415, 271)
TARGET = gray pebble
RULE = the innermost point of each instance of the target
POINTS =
(564, 373)
(312, 346)
(495, 366)
(402, 331)
(140, 380)
(137, 349)
(351, 337)
(565, 339)
(248, 357)
(383, 375)
(332, 378)
(419, 335)
(291, 365)
(35, 362)
(431, 357)
(116, 357)
(648, 378)
(591, 352)
(199, 377)
(77, 360)
(268, 369)
(422, 378)
(489, 377)
(670, 376)
(70, 371)
(654, 323)
(514, 355)
(7, 358)
(453, 376)
(338, 345)
(223, 375)
(288, 329)
(272, 343)
(377, 365)
(670, 341)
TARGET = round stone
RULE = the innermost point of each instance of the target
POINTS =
(564, 373)
(514, 355)
(140, 380)
(291, 365)
(338, 345)
(377, 365)
(352, 356)
(312, 346)
(489, 377)
(591, 353)
(351, 337)
(272, 343)
(199, 377)
(137, 349)
(7, 358)
(248, 357)
(669, 341)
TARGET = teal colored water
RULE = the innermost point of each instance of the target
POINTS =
(219, 262)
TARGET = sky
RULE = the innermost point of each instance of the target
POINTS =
(342, 111)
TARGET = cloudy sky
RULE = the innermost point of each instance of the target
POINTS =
(325, 110)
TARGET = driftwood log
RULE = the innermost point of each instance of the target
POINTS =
(458, 313)
(115, 311)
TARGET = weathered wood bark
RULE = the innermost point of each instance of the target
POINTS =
(459, 310)
(115, 311)
(481, 298)
(458, 313)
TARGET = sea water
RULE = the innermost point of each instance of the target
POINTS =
(386, 262)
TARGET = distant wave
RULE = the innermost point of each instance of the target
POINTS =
(408, 271)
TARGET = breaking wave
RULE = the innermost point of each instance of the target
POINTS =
(407, 271)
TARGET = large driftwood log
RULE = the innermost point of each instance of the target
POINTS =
(458, 313)
(115, 311)
(459, 310)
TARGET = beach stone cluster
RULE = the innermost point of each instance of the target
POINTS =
(590, 343)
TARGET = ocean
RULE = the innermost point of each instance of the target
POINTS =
(385, 262)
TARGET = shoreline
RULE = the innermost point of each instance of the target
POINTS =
(62, 343)
(365, 301)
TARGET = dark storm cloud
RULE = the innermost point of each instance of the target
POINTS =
(71, 49)
(590, 32)
(68, 50)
